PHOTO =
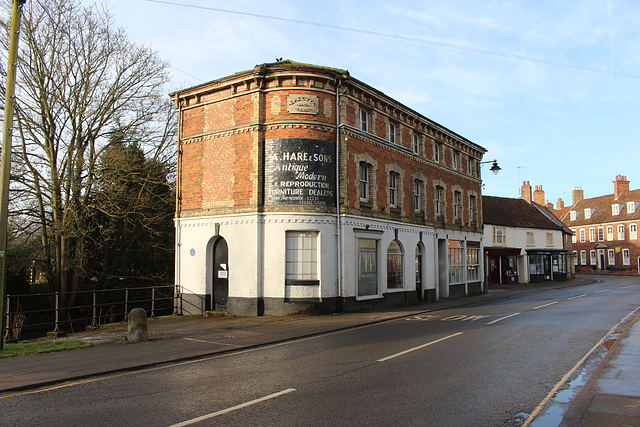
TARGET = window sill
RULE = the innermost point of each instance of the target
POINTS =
(290, 282)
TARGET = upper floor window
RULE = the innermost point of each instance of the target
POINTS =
(499, 235)
(620, 232)
(549, 239)
(631, 207)
(364, 120)
(572, 215)
(454, 160)
(610, 232)
(574, 237)
(633, 232)
(587, 213)
(436, 152)
(600, 234)
(531, 238)
(393, 189)
(457, 205)
(417, 195)
(364, 182)
(592, 234)
(615, 209)
(470, 167)
(472, 209)
(582, 236)
(392, 133)
(438, 201)
(416, 144)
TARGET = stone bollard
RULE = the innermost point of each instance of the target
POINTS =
(137, 325)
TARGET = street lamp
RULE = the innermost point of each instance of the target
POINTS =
(494, 167)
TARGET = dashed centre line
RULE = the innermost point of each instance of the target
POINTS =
(502, 318)
(577, 296)
(545, 305)
(384, 359)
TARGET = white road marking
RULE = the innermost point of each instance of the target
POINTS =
(233, 408)
(604, 290)
(384, 359)
(577, 296)
(502, 318)
(545, 305)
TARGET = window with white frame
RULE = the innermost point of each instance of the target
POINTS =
(416, 144)
(439, 201)
(575, 257)
(531, 238)
(436, 152)
(454, 160)
(574, 237)
(572, 215)
(392, 133)
(302, 255)
(592, 255)
(457, 205)
(472, 209)
(611, 254)
(470, 168)
(582, 236)
(473, 261)
(583, 257)
(364, 120)
(549, 239)
(631, 207)
(633, 232)
(620, 232)
(417, 195)
(587, 213)
(592, 234)
(615, 209)
(600, 234)
(609, 232)
(364, 182)
(367, 267)
(499, 236)
(456, 261)
(626, 257)
(393, 189)
(394, 265)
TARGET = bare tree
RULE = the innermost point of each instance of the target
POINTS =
(79, 80)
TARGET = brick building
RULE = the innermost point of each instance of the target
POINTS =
(605, 229)
(302, 189)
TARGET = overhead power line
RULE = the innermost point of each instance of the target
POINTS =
(406, 38)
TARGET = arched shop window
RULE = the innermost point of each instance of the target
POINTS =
(394, 265)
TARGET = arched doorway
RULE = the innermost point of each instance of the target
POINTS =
(220, 289)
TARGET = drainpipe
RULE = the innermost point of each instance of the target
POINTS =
(338, 223)
(178, 242)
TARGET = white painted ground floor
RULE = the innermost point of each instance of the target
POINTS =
(287, 263)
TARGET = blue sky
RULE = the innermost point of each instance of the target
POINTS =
(554, 126)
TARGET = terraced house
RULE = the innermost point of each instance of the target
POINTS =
(302, 189)
(605, 229)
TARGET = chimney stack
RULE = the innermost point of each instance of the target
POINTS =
(560, 203)
(577, 194)
(538, 195)
(620, 185)
(525, 191)
(549, 205)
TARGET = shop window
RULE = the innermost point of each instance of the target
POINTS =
(473, 261)
(302, 255)
(367, 267)
(626, 257)
(456, 262)
(394, 265)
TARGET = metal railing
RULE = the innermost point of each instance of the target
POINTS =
(46, 312)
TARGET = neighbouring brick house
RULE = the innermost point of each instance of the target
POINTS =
(302, 189)
(605, 229)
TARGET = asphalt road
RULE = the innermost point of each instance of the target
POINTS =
(487, 364)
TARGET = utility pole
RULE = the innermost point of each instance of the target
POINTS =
(5, 160)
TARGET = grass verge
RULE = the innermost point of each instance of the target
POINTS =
(37, 347)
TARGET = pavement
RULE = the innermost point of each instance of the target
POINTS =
(609, 396)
